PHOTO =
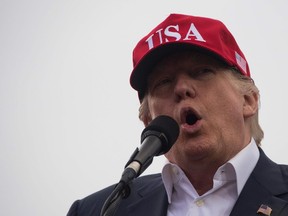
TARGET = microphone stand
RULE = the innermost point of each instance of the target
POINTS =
(113, 201)
(121, 191)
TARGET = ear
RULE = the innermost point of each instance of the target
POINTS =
(250, 106)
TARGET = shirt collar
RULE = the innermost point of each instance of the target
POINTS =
(244, 163)
(239, 167)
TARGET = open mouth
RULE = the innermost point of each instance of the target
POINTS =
(188, 116)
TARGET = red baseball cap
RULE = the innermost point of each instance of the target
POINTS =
(180, 32)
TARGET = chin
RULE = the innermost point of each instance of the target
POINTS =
(192, 150)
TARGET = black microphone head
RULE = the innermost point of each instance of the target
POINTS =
(166, 128)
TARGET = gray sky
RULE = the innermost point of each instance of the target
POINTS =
(68, 115)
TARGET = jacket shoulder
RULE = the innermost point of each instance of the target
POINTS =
(92, 204)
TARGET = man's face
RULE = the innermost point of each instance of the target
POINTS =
(194, 89)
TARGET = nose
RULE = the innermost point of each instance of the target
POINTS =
(184, 88)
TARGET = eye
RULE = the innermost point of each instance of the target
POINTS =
(162, 82)
(202, 73)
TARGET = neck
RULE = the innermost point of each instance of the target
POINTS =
(201, 178)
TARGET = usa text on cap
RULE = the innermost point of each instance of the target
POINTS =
(180, 32)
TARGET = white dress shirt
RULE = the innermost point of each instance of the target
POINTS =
(228, 183)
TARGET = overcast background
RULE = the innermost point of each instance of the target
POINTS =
(68, 117)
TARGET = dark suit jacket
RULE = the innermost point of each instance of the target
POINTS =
(268, 184)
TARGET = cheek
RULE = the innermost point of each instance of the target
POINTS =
(228, 111)
(154, 107)
(223, 103)
(224, 97)
(158, 107)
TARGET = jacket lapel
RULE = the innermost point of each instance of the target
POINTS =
(262, 187)
(252, 197)
(152, 201)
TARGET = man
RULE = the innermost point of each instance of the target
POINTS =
(191, 69)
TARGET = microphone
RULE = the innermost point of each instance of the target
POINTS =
(156, 139)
